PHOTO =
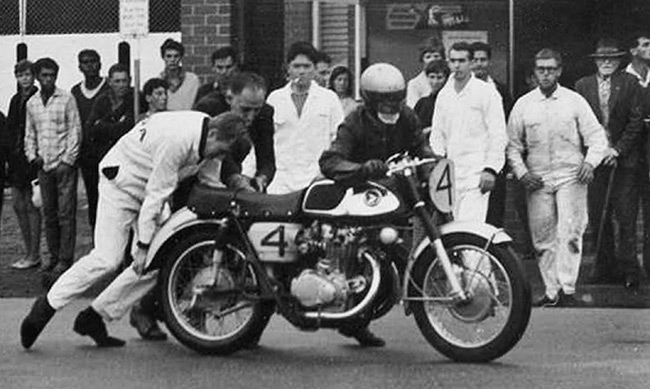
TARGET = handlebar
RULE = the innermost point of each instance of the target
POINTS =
(400, 163)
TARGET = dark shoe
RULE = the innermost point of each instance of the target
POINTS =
(146, 325)
(631, 282)
(89, 323)
(567, 300)
(546, 301)
(366, 338)
(35, 322)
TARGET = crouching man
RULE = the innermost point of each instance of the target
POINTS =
(137, 176)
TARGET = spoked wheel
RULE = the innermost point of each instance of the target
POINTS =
(495, 316)
(209, 296)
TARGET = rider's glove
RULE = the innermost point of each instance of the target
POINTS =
(374, 169)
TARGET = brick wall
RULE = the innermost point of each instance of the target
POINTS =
(205, 26)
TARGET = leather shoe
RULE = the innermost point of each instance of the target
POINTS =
(89, 323)
(546, 301)
(365, 337)
(146, 325)
(35, 322)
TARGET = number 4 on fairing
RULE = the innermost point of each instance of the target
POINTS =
(441, 185)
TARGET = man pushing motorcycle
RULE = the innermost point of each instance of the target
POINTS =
(383, 126)
(137, 177)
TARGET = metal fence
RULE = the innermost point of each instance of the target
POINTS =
(51, 17)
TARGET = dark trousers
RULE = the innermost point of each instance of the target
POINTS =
(90, 175)
(497, 203)
(59, 192)
(616, 251)
(643, 183)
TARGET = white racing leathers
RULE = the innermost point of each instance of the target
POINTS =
(469, 128)
(137, 176)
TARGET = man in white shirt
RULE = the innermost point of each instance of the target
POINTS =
(137, 177)
(419, 86)
(183, 85)
(306, 118)
(548, 129)
(468, 126)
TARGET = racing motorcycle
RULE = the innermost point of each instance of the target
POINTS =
(333, 254)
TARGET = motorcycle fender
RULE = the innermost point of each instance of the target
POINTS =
(484, 230)
(180, 221)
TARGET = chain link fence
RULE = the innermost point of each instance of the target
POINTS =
(51, 17)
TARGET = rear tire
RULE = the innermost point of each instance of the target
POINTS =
(197, 295)
(493, 321)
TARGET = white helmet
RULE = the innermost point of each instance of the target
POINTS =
(383, 88)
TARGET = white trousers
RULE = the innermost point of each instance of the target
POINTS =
(117, 211)
(471, 204)
(558, 219)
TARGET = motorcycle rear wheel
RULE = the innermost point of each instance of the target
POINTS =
(495, 317)
(209, 308)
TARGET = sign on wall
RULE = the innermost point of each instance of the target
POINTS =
(425, 15)
(449, 37)
(134, 18)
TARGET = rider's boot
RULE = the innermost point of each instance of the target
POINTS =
(364, 336)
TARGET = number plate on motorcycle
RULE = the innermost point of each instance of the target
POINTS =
(441, 186)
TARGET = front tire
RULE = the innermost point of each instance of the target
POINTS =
(209, 296)
(493, 320)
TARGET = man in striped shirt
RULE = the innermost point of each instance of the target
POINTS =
(52, 139)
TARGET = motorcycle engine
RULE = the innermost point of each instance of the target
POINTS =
(328, 251)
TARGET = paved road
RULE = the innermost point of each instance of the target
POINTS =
(563, 348)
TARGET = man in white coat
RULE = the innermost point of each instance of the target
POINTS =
(469, 127)
(306, 119)
(137, 177)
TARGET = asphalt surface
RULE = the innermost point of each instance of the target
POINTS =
(562, 348)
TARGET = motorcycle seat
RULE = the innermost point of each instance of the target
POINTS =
(261, 206)
(213, 202)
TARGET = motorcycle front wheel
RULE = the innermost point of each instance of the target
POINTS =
(494, 317)
(209, 296)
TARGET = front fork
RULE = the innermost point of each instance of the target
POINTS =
(419, 209)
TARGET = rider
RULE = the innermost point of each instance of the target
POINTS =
(381, 127)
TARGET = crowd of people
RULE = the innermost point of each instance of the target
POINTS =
(579, 155)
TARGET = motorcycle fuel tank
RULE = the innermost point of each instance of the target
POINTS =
(326, 198)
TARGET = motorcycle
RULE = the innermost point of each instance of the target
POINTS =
(334, 255)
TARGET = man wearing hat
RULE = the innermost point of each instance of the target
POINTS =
(614, 98)
(137, 177)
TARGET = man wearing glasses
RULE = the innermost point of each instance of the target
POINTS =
(548, 129)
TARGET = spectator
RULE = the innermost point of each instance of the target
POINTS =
(137, 176)
(112, 114)
(468, 126)
(52, 140)
(620, 114)
(224, 63)
(419, 87)
(323, 69)
(244, 95)
(481, 63)
(306, 118)
(341, 83)
(155, 95)
(548, 128)
(639, 67)
(22, 172)
(183, 85)
(437, 72)
(85, 94)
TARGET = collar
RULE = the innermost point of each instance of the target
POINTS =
(602, 79)
(90, 93)
(644, 82)
(557, 93)
(57, 92)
